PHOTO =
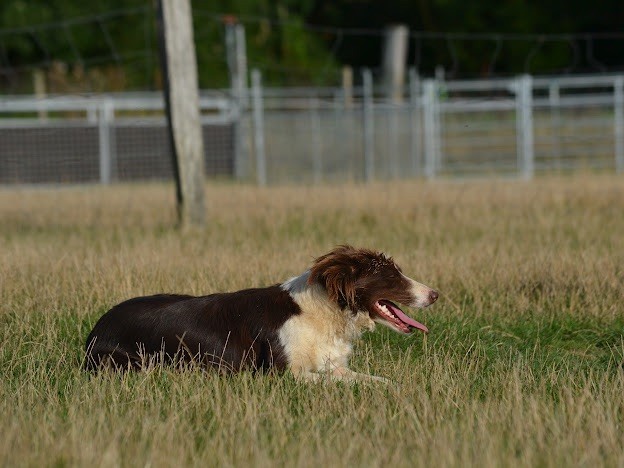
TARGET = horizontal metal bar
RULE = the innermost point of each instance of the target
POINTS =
(118, 122)
(480, 105)
(578, 81)
(69, 103)
(576, 101)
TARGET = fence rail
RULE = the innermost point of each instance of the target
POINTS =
(102, 138)
(517, 126)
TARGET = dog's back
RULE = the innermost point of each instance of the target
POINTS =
(228, 331)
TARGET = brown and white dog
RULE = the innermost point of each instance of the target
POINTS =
(306, 325)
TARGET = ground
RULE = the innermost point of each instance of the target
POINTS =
(522, 364)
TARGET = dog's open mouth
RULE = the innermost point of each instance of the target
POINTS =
(393, 316)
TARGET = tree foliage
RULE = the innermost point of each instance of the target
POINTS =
(120, 35)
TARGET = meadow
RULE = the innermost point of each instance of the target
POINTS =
(522, 365)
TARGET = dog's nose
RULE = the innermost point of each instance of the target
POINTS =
(433, 296)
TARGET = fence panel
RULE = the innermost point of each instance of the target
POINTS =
(49, 153)
(117, 142)
(514, 126)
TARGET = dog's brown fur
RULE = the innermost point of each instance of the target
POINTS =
(306, 324)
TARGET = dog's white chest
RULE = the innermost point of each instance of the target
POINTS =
(319, 338)
(311, 348)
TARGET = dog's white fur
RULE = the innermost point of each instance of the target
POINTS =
(319, 341)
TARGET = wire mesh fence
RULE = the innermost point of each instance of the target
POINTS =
(102, 139)
(517, 126)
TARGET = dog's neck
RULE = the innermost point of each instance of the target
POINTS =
(296, 284)
(314, 302)
(321, 336)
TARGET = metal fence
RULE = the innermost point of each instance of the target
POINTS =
(518, 126)
(103, 138)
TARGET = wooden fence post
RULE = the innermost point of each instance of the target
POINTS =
(182, 103)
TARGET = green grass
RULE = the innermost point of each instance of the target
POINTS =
(522, 365)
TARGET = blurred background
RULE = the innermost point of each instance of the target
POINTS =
(344, 90)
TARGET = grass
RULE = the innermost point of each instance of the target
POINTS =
(521, 366)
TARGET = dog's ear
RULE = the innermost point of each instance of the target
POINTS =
(337, 273)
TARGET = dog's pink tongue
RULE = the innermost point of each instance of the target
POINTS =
(408, 320)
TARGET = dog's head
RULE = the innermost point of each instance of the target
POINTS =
(365, 281)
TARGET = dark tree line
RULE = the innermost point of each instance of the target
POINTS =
(306, 41)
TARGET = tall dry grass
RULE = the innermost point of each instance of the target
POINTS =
(520, 367)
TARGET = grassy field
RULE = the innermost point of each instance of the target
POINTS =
(521, 367)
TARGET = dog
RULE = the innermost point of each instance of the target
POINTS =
(306, 325)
